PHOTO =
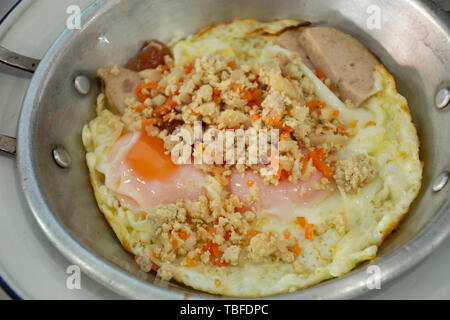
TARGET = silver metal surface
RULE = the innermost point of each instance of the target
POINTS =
(8, 145)
(62, 157)
(441, 181)
(53, 113)
(442, 99)
(82, 84)
(18, 61)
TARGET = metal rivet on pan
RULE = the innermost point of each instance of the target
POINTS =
(62, 158)
(82, 84)
(442, 98)
(441, 181)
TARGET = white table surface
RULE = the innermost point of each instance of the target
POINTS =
(29, 264)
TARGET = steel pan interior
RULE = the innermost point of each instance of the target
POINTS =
(413, 43)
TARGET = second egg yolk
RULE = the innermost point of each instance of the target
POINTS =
(147, 158)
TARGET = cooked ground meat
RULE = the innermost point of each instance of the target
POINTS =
(353, 173)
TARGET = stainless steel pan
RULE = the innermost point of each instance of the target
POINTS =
(413, 43)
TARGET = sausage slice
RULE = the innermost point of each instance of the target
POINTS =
(150, 56)
(119, 85)
(291, 41)
(349, 64)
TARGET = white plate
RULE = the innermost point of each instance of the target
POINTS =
(29, 264)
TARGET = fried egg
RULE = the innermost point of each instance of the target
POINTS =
(131, 173)
(143, 176)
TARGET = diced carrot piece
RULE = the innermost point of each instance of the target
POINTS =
(183, 235)
(217, 99)
(285, 135)
(253, 96)
(274, 120)
(216, 95)
(286, 234)
(189, 262)
(215, 249)
(336, 113)
(141, 107)
(147, 122)
(255, 116)
(167, 117)
(353, 124)
(301, 221)
(312, 104)
(212, 231)
(164, 68)
(155, 267)
(247, 95)
(250, 183)
(342, 127)
(320, 74)
(257, 93)
(232, 64)
(284, 175)
(319, 163)
(145, 85)
(309, 231)
(212, 248)
(253, 232)
(168, 106)
(188, 69)
(296, 249)
(174, 243)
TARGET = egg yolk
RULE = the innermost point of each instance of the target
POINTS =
(147, 158)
